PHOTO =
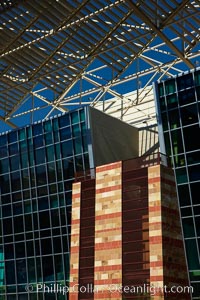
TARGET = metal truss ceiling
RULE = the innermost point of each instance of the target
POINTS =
(57, 54)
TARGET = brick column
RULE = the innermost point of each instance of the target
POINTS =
(108, 231)
(155, 230)
(167, 258)
(75, 236)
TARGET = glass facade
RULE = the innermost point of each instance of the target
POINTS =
(37, 167)
(178, 109)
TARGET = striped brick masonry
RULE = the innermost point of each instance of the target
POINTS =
(108, 231)
(75, 236)
(126, 230)
(167, 257)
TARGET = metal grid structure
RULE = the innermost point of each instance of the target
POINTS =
(60, 54)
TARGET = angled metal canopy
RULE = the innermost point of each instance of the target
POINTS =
(59, 54)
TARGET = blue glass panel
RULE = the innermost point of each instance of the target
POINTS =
(64, 121)
(14, 163)
(86, 161)
(179, 160)
(20, 250)
(51, 172)
(4, 165)
(37, 129)
(55, 124)
(17, 196)
(68, 169)
(10, 272)
(3, 152)
(42, 191)
(9, 251)
(172, 101)
(23, 146)
(40, 156)
(79, 163)
(6, 210)
(85, 143)
(50, 153)
(186, 97)
(197, 77)
(170, 86)
(47, 267)
(197, 223)
(22, 134)
(56, 136)
(195, 192)
(47, 126)
(52, 188)
(7, 226)
(38, 270)
(5, 184)
(13, 149)
(194, 173)
(76, 130)
(5, 199)
(12, 136)
(18, 224)
(28, 224)
(160, 89)
(57, 151)
(61, 198)
(43, 203)
(67, 266)
(162, 103)
(186, 211)
(17, 208)
(15, 181)
(65, 133)
(44, 219)
(38, 141)
(75, 117)
(174, 119)
(185, 81)
(78, 146)
(48, 138)
(192, 254)
(189, 133)
(24, 160)
(21, 271)
(189, 114)
(31, 270)
(83, 128)
(181, 175)
(59, 170)
(31, 158)
(59, 267)
(82, 114)
(46, 246)
(41, 175)
(68, 198)
(3, 140)
(67, 148)
(29, 132)
(188, 227)
(60, 187)
(177, 142)
(26, 194)
(54, 201)
(2, 269)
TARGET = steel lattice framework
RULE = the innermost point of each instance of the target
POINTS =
(59, 54)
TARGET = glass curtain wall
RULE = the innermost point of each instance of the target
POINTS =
(178, 108)
(37, 167)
